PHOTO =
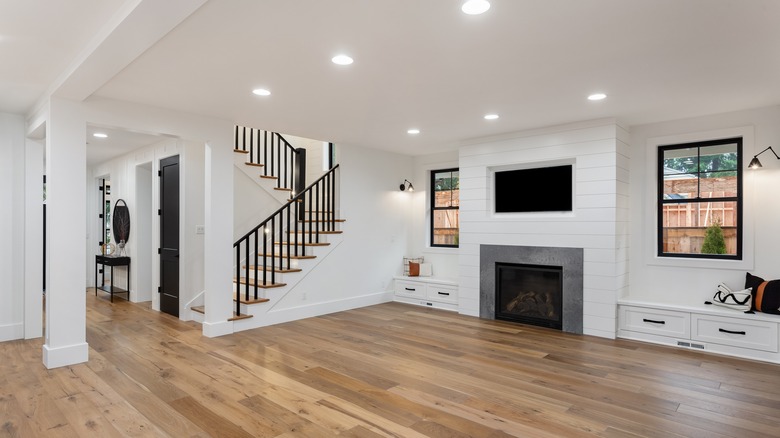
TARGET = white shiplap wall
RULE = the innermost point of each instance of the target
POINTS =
(599, 223)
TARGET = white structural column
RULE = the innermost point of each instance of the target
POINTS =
(33, 238)
(218, 254)
(66, 167)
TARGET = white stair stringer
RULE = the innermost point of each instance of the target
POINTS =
(263, 312)
(196, 301)
(254, 172)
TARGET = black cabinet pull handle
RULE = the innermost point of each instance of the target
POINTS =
(654, 321)
(411, 289)
(444, 293)
(731, 332)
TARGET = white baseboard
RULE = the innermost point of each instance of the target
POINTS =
(278, 316)
(64, 356)
(214, 329)
(9, 332)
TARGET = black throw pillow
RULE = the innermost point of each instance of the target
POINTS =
(766, 294)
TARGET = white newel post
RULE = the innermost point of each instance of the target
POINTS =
(66, 167)
(218, 254)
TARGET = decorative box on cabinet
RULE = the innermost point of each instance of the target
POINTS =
(427, 291)
(708, 328)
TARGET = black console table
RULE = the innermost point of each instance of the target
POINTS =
(107, 260)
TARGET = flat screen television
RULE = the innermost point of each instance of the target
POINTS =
(539, 189)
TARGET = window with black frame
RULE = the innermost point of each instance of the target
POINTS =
(445, 204)
(700, 199)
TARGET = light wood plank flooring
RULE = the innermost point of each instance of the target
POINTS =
(391, 370)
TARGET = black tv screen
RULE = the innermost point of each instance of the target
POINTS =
(534, 190)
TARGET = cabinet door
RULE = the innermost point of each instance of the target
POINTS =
(410, 289)
(758, 335)
(445, 294)
(655, 321)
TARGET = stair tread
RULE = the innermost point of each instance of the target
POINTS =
(295, 257)
(250, 300)
(239, 317)
(301, 244)
(253, 283)
(314, 232)
(268, 177)
(255, 164)
(275, 269)
(283, 189)
(202, 309)
(240, 151)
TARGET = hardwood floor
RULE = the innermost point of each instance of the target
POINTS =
(388, 370)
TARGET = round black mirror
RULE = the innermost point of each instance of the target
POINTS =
(121, 224)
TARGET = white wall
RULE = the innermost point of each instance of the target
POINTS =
(444, 261)
(192, 164)
(686, 282)
(12, 165)
(251, 204)
(314, 156)
(144, 199)
(598, 223)
(374, 238)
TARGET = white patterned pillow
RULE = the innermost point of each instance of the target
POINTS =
(738, 300)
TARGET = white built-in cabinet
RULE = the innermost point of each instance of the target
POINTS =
(427, 291)
(706, 327)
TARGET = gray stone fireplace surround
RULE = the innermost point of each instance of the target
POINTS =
(570, 259)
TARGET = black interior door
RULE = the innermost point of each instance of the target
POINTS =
(169, 235)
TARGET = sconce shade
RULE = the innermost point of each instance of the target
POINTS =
(755, 163)
(406, 185)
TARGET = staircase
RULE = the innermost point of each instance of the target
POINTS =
(279, 252)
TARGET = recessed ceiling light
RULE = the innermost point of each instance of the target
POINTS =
(413, 131)
(100, 135)
(342, 60)
(475, 7)
(261, 92)
(597, 96)
(491, 116)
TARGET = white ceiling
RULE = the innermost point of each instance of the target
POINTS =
(418, 64)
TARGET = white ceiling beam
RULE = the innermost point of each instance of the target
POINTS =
(134, 28)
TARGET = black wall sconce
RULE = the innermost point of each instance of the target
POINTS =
(406, 185)
(755, 164)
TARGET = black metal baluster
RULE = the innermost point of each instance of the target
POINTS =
(273, 260)
(246, 273)
(238, 275)
(254, 274)
(265, 153)
(286, 173)
(333, 195)
(265, 254)
(252, 146)
(288, 240)
(272, 153)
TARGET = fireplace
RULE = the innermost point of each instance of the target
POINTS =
(560, 266)
(530, 294)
